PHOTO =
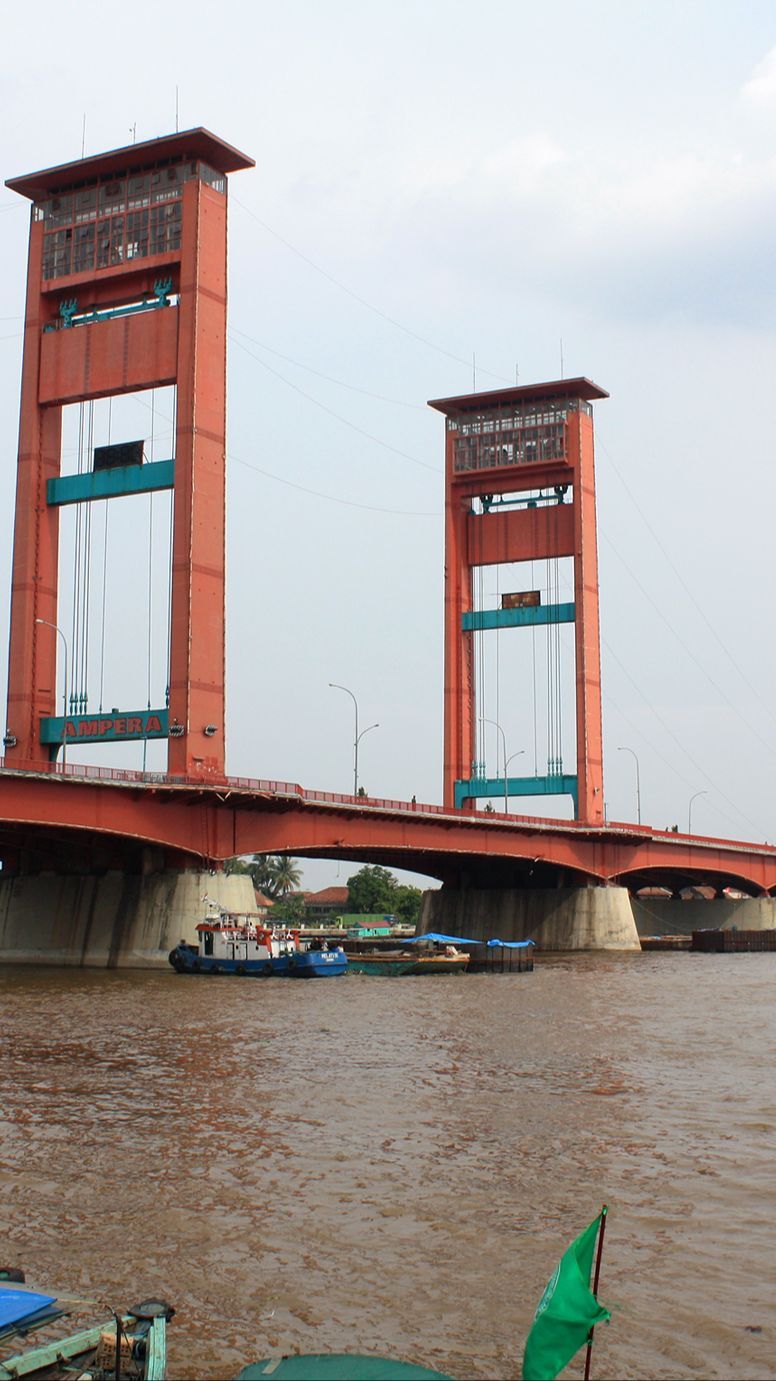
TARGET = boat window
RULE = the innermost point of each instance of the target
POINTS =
(208, 942)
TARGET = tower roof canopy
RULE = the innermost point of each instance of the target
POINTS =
(523, 393)
(190, 143)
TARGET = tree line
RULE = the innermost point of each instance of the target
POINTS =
(372, 891)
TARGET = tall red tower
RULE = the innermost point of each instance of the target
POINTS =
(126, 291)
(520, 486)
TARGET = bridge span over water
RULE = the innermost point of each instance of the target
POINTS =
(92, 817)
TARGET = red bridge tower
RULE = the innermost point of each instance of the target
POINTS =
(126, 291)
(520, 486)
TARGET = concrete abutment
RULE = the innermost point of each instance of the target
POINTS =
(559, 919)
(109, 920)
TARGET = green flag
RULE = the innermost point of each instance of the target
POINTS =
(566, 1313)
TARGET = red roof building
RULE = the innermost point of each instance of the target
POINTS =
(330, 901)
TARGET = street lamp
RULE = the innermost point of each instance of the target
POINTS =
(507, 760)
(689, 809)
(518, 754)
(58, 630)
(358, 740)
(638, 781)
(357, 737)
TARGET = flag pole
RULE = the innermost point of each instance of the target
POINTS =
(596, 1277)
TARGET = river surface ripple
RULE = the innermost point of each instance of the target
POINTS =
(395, 1165)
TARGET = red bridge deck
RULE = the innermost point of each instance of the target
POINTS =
(50, 814)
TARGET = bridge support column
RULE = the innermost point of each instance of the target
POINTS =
(681, 917)
(560, 919)
(109, 920)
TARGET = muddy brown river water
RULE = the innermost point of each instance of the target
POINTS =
(395, 1165)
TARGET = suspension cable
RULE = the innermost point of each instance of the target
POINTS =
(548, 654)
(75, 627)
(554, 652)
(498, 670)
(479, 654)
(150, 577)
(533, 678)
(106, 507)
(558, 642)
(87, 572)
(150, 589)
(170, 546)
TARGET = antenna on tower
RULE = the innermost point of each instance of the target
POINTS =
(474, 372)
(133, 131)
(176, 109)
(561, 357)
(83, 137)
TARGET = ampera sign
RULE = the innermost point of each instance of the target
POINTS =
(103, 728)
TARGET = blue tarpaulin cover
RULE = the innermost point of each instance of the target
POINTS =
(437, 939)
(510, 944)
(17, 1305)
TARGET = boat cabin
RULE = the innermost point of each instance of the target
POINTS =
(241, 939)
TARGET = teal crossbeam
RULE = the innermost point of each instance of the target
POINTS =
(114, 483)
(480, 620)
(70, 315)
(553, 784)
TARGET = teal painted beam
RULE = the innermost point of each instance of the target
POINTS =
(551, 785)
(105, 728)
(156, 1350)
(35, 1359)
(477, 621)
(111, 484)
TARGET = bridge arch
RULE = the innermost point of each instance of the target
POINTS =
(676, 879)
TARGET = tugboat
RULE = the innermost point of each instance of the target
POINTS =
(241, 944)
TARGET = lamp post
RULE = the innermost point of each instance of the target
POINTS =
(357, 737)
(58, 630)
(507, 761)
(689, 809)
(518, 754)
(638, 780)
(358, 740)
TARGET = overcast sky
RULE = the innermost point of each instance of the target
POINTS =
(437, 181)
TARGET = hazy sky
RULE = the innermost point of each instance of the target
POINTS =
(436, 181)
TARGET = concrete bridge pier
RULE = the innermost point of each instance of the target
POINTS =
(557, 919)
(678, 916)
(110, 919)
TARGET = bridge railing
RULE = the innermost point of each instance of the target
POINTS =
(81, 771)
(274, 787)
(268, 785)
(256, 785)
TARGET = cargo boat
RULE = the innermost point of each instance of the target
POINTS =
(239, 944)
(398, 963)
(434, 952)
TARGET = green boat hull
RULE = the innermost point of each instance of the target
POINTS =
(398, 966)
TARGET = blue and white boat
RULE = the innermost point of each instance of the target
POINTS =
(247, 945)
